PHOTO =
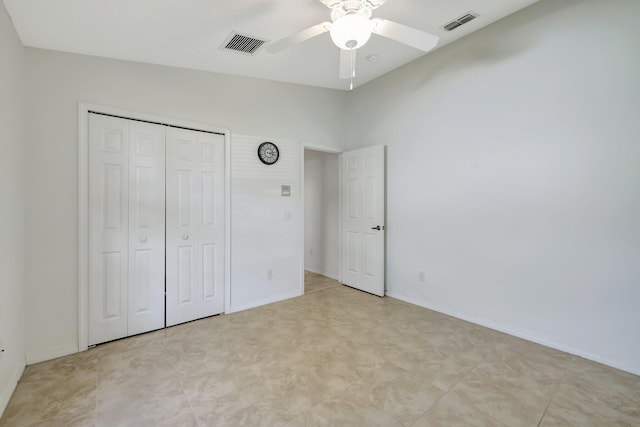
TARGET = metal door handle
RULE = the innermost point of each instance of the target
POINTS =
(143, 239)
(185, 237)
(376, 228)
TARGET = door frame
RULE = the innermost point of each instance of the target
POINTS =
(83, 201)
(330, 150)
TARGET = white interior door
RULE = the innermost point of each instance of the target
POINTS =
(146, 227)
(363, 219)
(195, 225)
(108, 227)
(126, 227)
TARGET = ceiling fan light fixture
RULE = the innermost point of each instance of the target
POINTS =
(351, 31)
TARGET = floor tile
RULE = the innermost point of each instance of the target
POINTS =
(47, 396)
(399, 393)
(252, 407)
(332, 357)
(592, 395)
(346, 409)
(454, 410)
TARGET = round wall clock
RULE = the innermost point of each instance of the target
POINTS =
(268, 153)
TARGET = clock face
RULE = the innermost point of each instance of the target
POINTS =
(268, 153)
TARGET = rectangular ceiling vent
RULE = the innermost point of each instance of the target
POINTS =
(460, 21)
(242, 43)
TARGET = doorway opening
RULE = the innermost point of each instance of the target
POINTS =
(321, 220)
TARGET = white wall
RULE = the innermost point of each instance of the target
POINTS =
(514, 176)
(265, 226)
(321, 216)
(11, 208)
(56, 82)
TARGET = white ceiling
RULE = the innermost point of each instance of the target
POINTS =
(189, 33)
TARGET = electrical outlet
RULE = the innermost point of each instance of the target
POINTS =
(421, 276)
(269, 274)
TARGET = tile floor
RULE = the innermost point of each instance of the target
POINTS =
(333, 357)
(315, 282)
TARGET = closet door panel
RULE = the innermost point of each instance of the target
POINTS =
(181, 233)
(211, 224)
(195, 225)
(108, 227)
(209, 276)
(185, 275)
(146, 227)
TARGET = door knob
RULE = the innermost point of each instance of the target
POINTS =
(185, 237)
(376, 228)
(143, 239)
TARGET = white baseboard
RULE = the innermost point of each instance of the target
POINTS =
(264, 301)
(52, 353)
(333, 276)
(10, 387)
(520, 334)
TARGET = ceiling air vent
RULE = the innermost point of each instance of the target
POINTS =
(242, 43)
(460, 21)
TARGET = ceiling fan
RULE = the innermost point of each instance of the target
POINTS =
(351, 28)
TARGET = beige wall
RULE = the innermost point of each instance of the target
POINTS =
(514, 176)
(11, 208)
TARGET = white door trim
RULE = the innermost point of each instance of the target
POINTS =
(83, 201)
(324, 149)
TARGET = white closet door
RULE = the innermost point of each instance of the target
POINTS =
(126, 227)
(146, 227)
(108, 227)
(195, 225)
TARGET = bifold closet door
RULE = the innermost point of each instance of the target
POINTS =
(126, 228)
(146, 227)
(195, 225)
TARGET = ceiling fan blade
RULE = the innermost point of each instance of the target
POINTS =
(298, 37)
(403, 34)
(345, 63)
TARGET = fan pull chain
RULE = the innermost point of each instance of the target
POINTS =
(353, 67)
